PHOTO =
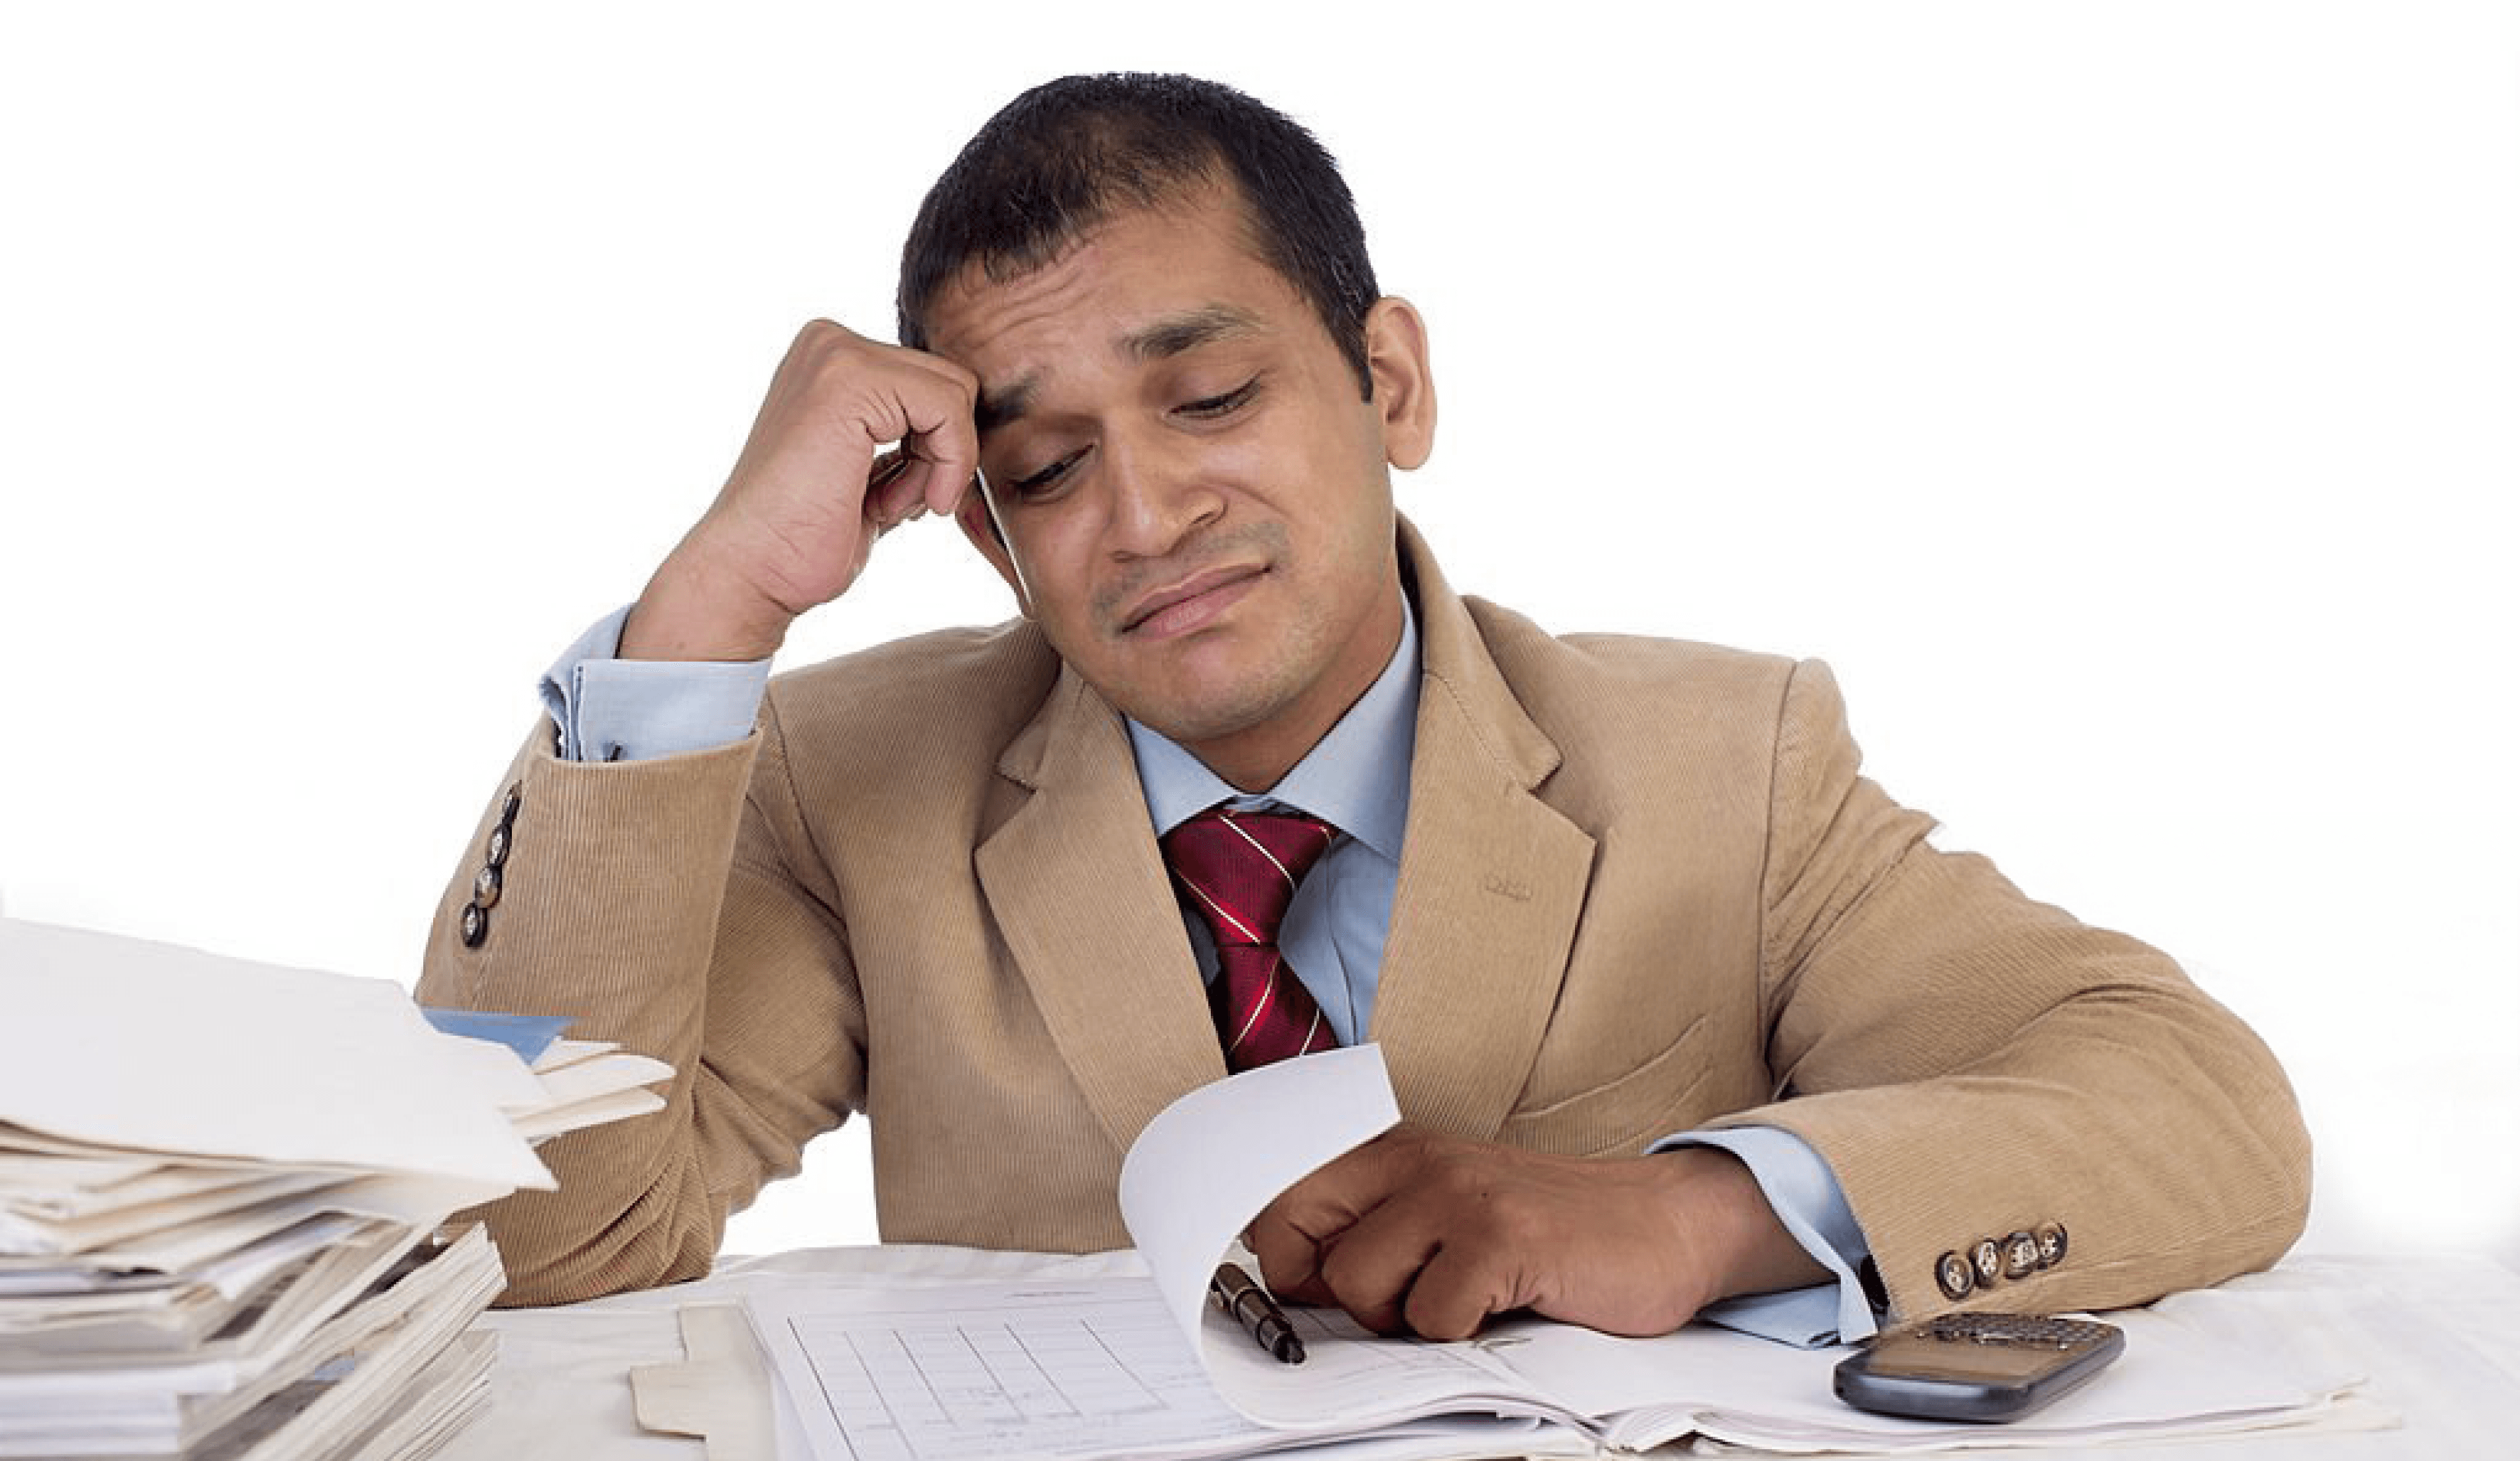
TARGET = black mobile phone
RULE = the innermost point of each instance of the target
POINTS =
(1976, 1366)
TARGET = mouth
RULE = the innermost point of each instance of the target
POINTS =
(1191, 603)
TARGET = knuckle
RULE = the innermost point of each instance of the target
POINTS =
(1342, 1273)
(821, 340)
(1458, 1181)
(1277, 1245)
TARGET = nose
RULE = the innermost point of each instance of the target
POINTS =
(1157, 495)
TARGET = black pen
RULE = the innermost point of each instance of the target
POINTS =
(1253, 1309)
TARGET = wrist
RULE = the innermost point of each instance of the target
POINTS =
(1720, 1203)
(688, 612)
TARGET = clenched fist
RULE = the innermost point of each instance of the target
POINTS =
(1420, 1232)
(814, 488)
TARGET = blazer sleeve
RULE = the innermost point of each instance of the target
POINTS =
(1976, 1065)
(651, 902)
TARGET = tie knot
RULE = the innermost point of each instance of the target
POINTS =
(1241, 869)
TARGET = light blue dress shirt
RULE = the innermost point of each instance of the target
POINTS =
(1357, 779)
(609, 709)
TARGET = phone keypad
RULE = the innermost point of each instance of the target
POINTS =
(2021, 1331)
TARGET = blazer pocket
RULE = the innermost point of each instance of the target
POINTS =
(1644, 1104)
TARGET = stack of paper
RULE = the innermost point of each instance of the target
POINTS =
(222, 1186)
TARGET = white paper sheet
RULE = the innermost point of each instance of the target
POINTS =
(1208, 1163)
(2170, 1380)
(564, 1053)
(621, 1106)
(34, 1237)
(495, 1071)
(598, 1076)
(990, 1370)
(1043, 1371)
(50, 1186)
(130, 1043)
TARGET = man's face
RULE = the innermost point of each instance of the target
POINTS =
(1193, 484)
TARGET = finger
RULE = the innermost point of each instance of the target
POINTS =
(1457, 1291)
(1372, 1267)
(888, 464)
(922, 486)
(1294, 1230)
(940, 430)
(1290, 1255)
(891, 490)
(953, 460)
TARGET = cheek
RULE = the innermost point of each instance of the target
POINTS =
(1292, 470)
(1057, 552)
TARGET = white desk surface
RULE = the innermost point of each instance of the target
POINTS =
(2438, 1337)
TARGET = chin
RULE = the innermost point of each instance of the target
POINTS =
(1194, 713)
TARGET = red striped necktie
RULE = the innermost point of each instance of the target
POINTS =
(1239, 871)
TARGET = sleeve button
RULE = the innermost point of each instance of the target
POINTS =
(1954, 1275)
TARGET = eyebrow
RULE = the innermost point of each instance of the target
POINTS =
(997, 408)
(1179, 334)
(1170, 335)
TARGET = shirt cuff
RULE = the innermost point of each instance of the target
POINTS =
(613, 709)
(1806, 1198)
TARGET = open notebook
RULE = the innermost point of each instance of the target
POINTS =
(1144, 1367)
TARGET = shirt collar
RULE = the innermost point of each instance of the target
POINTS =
(1354, 777)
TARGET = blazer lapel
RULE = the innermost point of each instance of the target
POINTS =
(1491, 883)
(1078, 890)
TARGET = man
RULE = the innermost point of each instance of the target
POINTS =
(1679, 1009)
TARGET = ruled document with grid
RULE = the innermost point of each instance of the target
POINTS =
(926, 1375)
(1059, 1369)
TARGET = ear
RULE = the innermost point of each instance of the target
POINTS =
(1404, 380)
(973, 516)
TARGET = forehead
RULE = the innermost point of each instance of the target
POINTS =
(1146, 285)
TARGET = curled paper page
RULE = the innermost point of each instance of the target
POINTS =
(1208, 1163)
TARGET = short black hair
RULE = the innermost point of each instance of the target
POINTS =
(1071, 153)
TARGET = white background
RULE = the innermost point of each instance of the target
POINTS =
(2120, 396)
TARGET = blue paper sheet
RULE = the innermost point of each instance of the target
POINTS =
(529, 1035)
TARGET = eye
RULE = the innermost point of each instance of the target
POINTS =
(1039, 484)
(1213, 406)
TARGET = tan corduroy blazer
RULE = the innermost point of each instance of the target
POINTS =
(1644, 890)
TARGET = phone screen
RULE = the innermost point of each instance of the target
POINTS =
(1960, 1361)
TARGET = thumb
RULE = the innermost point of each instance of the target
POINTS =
(1293, 1235)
